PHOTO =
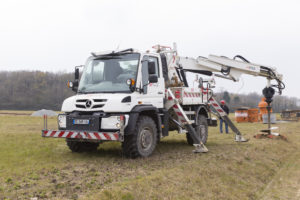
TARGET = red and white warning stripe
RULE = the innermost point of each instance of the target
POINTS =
(180, 114)
(182, 118)
(81, 135)
(217, 107)
(191, 94)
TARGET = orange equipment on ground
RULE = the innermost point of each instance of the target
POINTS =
(253, 115)
(241, 115)
(263, 108)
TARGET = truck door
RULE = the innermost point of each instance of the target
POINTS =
(155, 91)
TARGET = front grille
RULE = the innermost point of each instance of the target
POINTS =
(81, 100)
(100, 100)
(80, 106)
(98, 106)
(96, 103)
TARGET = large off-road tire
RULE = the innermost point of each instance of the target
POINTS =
(142, 142)
(201, 130)
(77, 146)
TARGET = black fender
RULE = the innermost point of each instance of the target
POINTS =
(138, 110)
(204, 110)
(201, 110)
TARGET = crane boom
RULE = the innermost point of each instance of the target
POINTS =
(220, 66)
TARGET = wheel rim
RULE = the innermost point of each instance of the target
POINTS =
(146, 139)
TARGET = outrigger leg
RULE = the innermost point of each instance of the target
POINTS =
(199, 146)
(184, 122)
(224, 116)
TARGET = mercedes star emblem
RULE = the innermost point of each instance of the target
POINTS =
(88, 103)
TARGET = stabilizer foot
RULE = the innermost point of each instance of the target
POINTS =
(240, 138)
(200, 148)
(270, 136)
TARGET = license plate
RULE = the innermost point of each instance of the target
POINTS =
(81, 121)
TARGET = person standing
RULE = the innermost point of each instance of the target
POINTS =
(226, 109)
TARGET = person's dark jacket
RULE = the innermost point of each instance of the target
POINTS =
(225, 108)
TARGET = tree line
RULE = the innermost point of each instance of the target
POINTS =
(33, 90)
(251, 100)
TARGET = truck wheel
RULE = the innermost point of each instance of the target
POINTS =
(201, 130)
(77, 146)
(142, 142)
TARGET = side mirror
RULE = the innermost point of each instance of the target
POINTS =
(151, 67)
(153, 78)
(74, 85)
(76, 73)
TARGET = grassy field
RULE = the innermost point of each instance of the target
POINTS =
(31, 166)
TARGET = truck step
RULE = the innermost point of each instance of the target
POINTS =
(189, 112)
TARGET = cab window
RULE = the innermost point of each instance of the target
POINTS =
(155, 60)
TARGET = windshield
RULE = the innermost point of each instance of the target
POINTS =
(109, 73)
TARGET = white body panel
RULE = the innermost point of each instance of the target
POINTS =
(191, 96)
(113, 103)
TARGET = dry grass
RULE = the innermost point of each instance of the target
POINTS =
(31, 166)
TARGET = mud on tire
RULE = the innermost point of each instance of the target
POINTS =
(143, 140)
(78, 146)
(201, 130)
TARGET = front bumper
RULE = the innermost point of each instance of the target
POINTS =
(83, 135)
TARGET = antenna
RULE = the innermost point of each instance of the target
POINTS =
(118, 45)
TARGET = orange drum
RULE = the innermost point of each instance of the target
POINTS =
(253, 115)
(241, 115)
(263, 108)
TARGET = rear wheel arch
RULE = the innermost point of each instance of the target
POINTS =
(202, 114)
(202, 110)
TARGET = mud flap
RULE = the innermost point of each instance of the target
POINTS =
(199, 146)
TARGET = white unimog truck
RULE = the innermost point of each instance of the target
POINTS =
(137, 97)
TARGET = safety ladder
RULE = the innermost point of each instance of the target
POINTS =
(222, 114)
(184, 121)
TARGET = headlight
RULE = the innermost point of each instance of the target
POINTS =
(62, 121)
(114, 122)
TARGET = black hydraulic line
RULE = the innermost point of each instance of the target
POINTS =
(204, 72)
(241, 57)
(280, 85)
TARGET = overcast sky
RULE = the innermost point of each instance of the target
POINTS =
(57, 35)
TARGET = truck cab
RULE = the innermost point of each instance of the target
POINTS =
(117, 83)
(117, 92)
